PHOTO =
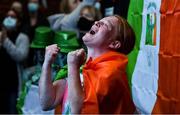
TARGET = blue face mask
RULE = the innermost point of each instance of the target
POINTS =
(33, 7)
(9, 22)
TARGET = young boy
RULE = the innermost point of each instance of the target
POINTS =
(103, 86)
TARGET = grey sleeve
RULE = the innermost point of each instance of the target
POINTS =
(18, 51)
(55, 21)
(69, 22)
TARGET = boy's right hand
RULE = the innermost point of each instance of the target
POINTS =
(76, 58)
(51, 53)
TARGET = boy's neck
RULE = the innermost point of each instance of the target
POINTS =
(95, 52)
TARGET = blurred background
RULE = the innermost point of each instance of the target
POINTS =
(154, 64)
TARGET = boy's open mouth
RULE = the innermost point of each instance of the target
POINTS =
(92, 32)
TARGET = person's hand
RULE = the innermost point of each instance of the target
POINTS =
(0, 39)
(51, 53)
(3, 35)
(76, 58)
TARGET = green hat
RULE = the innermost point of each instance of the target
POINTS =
(66, 40)
(43, 37)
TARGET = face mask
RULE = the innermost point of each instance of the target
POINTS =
(9, 22)
(84, 24)
(33, 7)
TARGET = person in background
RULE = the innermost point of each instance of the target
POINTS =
(17, 6)
(14, 47)
(68, 20)
(102, 88)
(88, 15)
(34, 18)
(67, 6)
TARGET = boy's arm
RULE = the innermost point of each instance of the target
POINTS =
(75, 90)
(50, 93)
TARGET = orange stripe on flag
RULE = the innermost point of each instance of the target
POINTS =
(168, 96)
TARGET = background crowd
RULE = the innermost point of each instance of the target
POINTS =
(27, 27)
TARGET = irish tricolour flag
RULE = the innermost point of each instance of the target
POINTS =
(154, 64)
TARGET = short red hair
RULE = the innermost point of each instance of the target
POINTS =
(125, 35)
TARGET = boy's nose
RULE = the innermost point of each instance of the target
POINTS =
(97, 23)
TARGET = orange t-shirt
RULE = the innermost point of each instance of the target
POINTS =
(106, 86)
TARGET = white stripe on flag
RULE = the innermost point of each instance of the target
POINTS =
(145, 75)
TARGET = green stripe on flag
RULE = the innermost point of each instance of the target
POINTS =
(135, 20)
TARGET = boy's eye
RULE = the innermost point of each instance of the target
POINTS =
(103, 24)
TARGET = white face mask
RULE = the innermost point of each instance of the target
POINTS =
(33, 7)
(9, 22)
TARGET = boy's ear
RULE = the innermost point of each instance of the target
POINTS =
(115, 44)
